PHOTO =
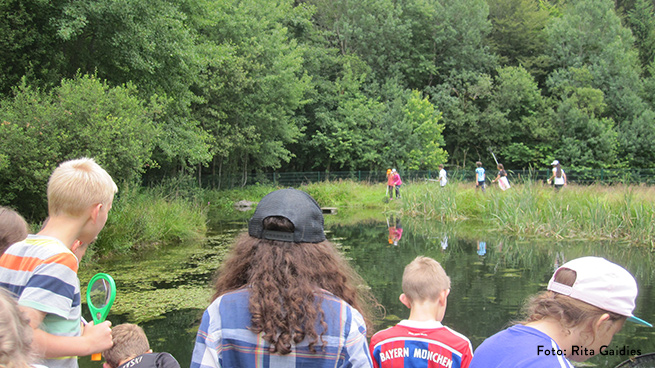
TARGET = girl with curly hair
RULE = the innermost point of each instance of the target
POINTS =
(285, 296)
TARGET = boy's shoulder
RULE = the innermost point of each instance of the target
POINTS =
(40, 249)
(152, 360)
(408, 329)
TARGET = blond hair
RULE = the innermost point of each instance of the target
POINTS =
(13, 228)
(16, 336)
(130, 341)
(76, 185)
(424, 279)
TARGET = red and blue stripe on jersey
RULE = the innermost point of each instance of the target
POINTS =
(412, 344)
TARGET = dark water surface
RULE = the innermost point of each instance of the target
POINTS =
(491, 277)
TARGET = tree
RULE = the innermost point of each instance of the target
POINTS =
(253, 83)
(346, 133)
(517, 34)
(585, 137)
(82, 117)
(462, 98)
(416, 42)
(589, 36)
(148, 44)
(28, 38)
(516, 121)
(641, 20)
(427, 152)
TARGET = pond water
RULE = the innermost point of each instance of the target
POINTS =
(491, 276)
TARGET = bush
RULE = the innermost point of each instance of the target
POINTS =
(149, 217)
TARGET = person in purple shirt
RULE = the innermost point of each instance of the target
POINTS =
(587, 302)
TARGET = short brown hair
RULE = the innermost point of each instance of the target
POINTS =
(424, 279)
(13, 228)
(130, 341)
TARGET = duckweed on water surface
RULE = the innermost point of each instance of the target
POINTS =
(150, 284)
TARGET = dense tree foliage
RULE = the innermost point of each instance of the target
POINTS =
(81, 117)
(236, 87)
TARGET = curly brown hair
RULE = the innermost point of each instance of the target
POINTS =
(285, 281)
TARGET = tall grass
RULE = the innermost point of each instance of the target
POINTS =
(150, 217)
(527, 209)
(177, 212)
(531, 209)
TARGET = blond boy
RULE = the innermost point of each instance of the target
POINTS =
(421, 340)
(41, 271)
(132, 350)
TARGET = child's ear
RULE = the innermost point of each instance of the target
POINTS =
(95, 211)
(106, 365)
(405, 300)
(443, 296)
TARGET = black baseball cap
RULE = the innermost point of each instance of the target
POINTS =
(294, 205)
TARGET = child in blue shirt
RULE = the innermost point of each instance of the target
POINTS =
(479, 176)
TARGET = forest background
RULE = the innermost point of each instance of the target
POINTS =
(164, 88)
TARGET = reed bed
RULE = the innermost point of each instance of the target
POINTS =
(532, 209)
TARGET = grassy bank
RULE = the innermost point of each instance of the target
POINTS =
(150, 217)
(620, 212)
(592, 212)
(143, 218)
(355, 201)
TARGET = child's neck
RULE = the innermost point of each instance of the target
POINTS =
(426, 311)
(64, 228)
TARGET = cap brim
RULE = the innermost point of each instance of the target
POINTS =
(640, 321)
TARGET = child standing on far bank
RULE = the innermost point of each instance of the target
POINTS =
(558, 175)
(41, 271)
(479, 176)
(501, 178)
(443, 180)
(390, 181)
(396, 181)
(422, 338)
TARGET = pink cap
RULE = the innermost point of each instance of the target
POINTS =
(601, 283)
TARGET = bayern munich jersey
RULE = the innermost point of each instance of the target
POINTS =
(415, 344)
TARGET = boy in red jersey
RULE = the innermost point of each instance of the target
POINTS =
(421, 340)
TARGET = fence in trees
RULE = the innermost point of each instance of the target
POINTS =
(577, 176)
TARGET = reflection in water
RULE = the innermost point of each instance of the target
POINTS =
(491, 278)
(482, 248)
(444, 242)
(486, 291)
(395, 229)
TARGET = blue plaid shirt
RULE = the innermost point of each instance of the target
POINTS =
(223, 339)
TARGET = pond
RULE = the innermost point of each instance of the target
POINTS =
(166, 291)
